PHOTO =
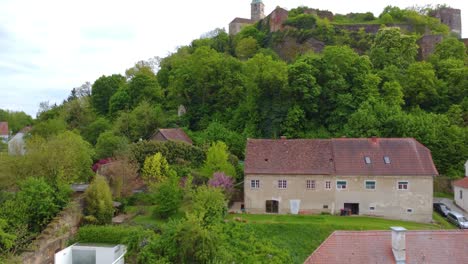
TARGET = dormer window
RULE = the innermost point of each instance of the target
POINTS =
(367, 160)
(386, 159)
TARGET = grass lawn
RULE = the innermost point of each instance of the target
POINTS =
(300, 235)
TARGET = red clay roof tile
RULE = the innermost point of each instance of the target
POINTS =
(296, 156)
(343, 156)
(461, 183)
(438, 246)
(175, 134)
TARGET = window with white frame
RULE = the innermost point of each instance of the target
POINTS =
(403, 185)
(372, 208)
(282, 184)
(255, 184)
(370, 185)
(341, 185)
(310, 184)
(328, 185)
(409, 210)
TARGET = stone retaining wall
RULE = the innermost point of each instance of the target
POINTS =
(54, 238)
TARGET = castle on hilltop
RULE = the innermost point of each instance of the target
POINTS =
(275, 21)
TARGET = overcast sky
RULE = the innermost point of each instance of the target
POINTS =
(48, 47)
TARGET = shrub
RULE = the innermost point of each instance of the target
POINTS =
(98, 200)
(209, 204)
(221, 180)
(168, 197)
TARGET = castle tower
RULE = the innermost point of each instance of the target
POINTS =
(450, 17)
(257, 10)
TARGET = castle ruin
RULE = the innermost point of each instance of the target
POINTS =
(275, 20)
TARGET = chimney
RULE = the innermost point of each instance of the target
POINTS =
(399, 244)
(466, 168)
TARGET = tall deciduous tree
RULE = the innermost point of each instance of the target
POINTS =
(217, 160)
(103, 89)
(393, 48)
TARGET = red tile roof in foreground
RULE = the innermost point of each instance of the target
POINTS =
(341, 156)
(4, 129)
(461, 183)
(350, 247)
(175, 134)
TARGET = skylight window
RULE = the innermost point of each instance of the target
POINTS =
(367, 160)
(386, 159)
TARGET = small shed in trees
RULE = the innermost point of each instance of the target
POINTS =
(171, 134)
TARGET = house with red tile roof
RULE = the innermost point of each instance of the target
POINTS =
(460, 190)
(393, 247)
(386, 177)
(4, 132)
(171, 134)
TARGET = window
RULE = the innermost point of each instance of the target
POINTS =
(325, 206)
(461, 194)
(255, 184)
(341, 185)
(310, 184)
(372, 208)
(370, 185)
(402, 185)
(386, 159)
(328, 185)
(367, 160)
(282, 184)
(271, 206)
(409, 210)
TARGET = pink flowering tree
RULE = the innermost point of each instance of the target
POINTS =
(224, 182)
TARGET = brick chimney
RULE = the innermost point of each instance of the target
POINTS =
(399, 244)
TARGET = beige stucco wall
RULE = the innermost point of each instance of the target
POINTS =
(463, 203)
(387, 200)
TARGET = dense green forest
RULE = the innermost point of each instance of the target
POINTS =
(232, 88)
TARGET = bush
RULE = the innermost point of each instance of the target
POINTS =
(98, 200)
(174, 152)
(209, 204)
(168, 196)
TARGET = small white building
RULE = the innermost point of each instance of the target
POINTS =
(17, 144)
(460, 190)
(91, 254)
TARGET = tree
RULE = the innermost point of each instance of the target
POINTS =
(64, 158)
(209, 205)
(108, 145)
(421, 86)
(122, 175)
(224, 182)
(156, 169)
(450, 48)
(217, 161)
(6, 240)
(141, 122)
(393, 48)
(98, 199)
(144, 86)
(168, 197)
(103, 89)
(246, 48)
(49, 128)
(96, 128)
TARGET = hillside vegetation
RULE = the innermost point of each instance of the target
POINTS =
(222, 90)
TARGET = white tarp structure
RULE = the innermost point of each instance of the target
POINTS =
(295, 205)
(91, 254)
